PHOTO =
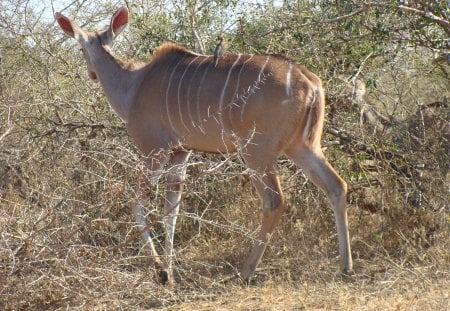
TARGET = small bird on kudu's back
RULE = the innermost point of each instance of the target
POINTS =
(220, 50)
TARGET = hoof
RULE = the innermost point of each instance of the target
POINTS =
(348, 272)
(237, 280)
(249, 279)
(348, 275)
(162, 277)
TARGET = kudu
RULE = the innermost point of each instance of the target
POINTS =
(262, 106)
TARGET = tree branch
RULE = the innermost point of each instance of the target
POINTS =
(444, 23)
(193, 23)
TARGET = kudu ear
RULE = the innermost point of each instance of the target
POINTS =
(118, 22)
(69, 27)
(66, 24)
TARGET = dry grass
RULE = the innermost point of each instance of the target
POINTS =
(89, 259)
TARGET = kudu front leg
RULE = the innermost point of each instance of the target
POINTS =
(175, 180)
(269, 191)
(153, 171)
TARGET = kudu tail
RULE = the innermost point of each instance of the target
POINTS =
(314, 115)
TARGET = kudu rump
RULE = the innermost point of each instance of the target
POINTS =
(262, 106)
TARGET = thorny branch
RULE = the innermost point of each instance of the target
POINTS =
(72, 126)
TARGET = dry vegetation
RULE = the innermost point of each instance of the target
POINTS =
(68, 176)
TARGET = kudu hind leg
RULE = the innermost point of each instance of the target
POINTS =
(269, 191)
(322, 174)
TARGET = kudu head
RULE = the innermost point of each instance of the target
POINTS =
(91, 41)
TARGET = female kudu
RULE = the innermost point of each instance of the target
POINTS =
(262, 106)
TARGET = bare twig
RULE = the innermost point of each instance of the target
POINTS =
(10, 126)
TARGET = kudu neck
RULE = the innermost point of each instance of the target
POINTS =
(118, 81)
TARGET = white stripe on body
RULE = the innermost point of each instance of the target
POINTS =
(288, 86)
(306, 131)
(199, 116)
(178, 93)
(288, 80)
(167, 93)
(237, 88)
(263, 67)
(189, 93)
(251, 89)
(222, 95)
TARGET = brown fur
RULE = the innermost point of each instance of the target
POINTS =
(169, 47)
(262, 106)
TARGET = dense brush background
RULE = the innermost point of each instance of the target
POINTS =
(68, 169)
